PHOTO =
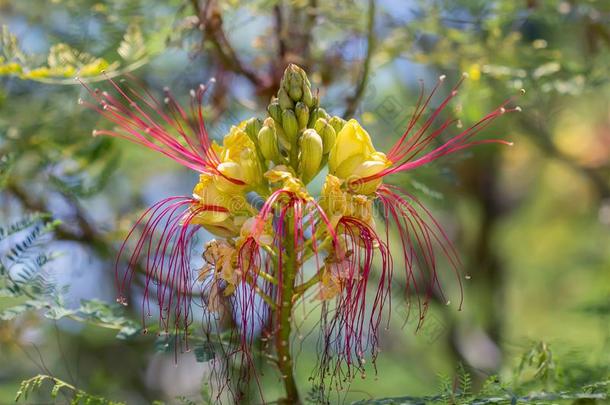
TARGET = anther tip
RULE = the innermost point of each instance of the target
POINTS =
(465, 75)
(442, 77)
(518, 109)
(522, 91)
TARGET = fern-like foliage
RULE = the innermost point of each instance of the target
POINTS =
(22, 264)
(23, 279)
(76, 396)
(64, 62)
(538, 362)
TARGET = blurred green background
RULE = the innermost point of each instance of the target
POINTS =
(531, 222)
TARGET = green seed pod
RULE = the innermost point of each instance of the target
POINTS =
(311, 155)
(253, 125)
(327, 132)
(268, 143)
(302, 113)
(337, 123)
(284, 99)
(290, 124)
(275, 111)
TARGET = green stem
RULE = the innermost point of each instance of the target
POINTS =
(285, 364)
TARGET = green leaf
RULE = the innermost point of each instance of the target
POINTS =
(132, 47)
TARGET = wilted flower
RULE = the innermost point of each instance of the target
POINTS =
(262, 249)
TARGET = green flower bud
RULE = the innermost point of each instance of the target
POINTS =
(253, 125)
(268, 143)
(284, 99)
(314, 114)
(290, 124)
(294, 80)
(323, 114)
(311, 155)
(308, 98)
(295, 91)
(302, 113)
(327, 132)
(275, 111)
(337, 123)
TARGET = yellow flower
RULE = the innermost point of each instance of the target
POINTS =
(282, 174)
(262, 236)
(338, 203)
(216, 206)
(239, 168)
(333, 199)
(221, 260)
(354, 157)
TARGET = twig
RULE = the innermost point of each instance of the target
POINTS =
(354, 100)
(210, 23)
(279, 31)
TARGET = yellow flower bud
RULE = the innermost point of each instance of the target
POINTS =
(290, 125)
(302, 113)
(268, 143)
(327, 133)
(311, 155)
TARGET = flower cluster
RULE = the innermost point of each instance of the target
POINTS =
(253, 196)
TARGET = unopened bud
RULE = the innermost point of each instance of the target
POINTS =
(302, 113)
(295, 91)
(337, 123)
(290, 124)
(293, 82)
(308, 96)
(253, 125)
(284, 99)
(275, 111)
(315, 114)
(311, 154)
(267, 141)
(327, 132)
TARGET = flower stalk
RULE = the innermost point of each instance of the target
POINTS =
(259, 251)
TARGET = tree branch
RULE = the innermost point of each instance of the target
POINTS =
(354, 100)
(210, 24)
